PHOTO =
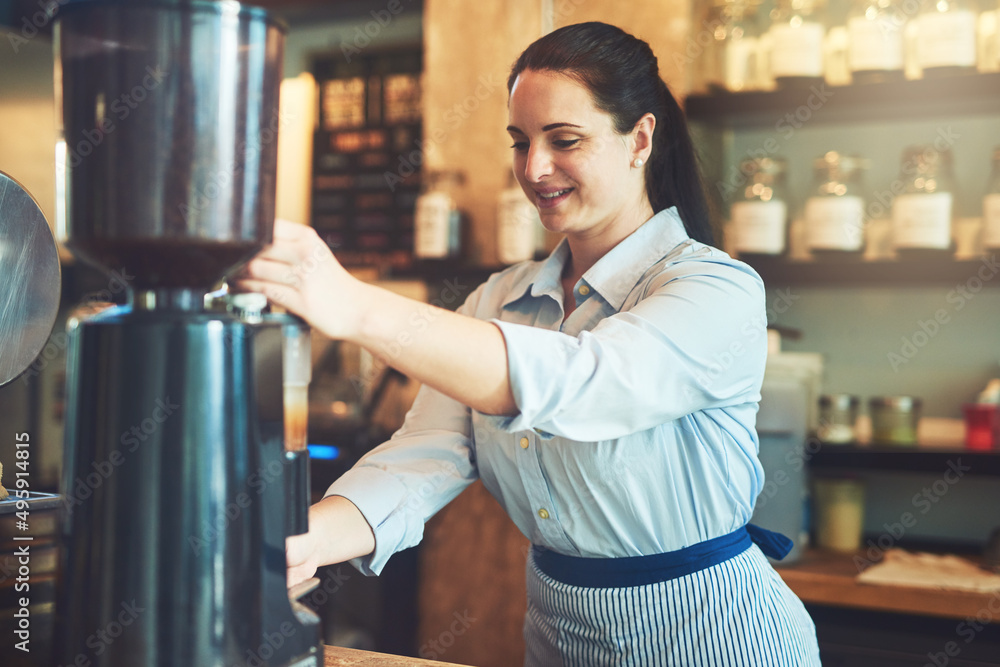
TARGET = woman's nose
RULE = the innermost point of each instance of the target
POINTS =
(538, 164)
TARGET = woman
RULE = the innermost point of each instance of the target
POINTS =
(606, 396)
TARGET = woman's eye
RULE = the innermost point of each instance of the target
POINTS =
(520, 146)
(564, 143)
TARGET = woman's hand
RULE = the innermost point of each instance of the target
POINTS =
(299, 272)
(337, 532)
(300, 553)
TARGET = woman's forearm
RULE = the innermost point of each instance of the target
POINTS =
(462, 357)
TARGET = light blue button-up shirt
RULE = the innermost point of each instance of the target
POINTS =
(635, 426)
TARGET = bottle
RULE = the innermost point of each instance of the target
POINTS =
(922, 213)
(875, 41)
(946, 37)
(520, 234)
(730, 61)
(797, 36)
(991, 206)
(759, 213)
(834, 212)
(437, 220)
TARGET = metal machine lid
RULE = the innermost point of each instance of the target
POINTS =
(30, 281)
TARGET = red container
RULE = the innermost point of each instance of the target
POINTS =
(982, 426)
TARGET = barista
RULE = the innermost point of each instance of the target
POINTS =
(606, 395)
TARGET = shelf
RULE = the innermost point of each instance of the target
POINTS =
(828, 578)
(967, 95)
(902, 459)
(780, 271)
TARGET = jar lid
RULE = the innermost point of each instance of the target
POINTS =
(926, 159)
(839, 401)
(840, 163)
(766, 165)
(898, 403)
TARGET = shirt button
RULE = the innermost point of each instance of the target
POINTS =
(543, 513)
(524, 443)
(584, 290)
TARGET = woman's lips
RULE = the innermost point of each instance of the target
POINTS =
(551, 198)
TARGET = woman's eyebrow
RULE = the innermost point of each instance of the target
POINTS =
(550, 126)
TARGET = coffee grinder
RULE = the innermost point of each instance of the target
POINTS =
(179, 487)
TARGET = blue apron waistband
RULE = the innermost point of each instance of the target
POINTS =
(643, 570)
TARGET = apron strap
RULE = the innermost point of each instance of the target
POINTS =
(774, 545)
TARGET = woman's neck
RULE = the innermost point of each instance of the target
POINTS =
(586, 248)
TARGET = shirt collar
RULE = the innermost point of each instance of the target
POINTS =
(544, 279)
(617, 272)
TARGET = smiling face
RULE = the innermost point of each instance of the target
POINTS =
(570, 161)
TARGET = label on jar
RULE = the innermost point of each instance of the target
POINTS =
(835, 223)
(517, 227)
(797, 50)
(759, 226)
(922, 220)
(875, 45)
(947, 40)
(432, 233)
(991, 221)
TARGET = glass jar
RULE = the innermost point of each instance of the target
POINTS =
(946, 37)
(520, 234)
(875, 37)
(922, 213)
(991, 205)
(834, 213)
(837, 416)
(731, 58)
(894, 420)
(437, 220)
(759, 214)
(797, 35)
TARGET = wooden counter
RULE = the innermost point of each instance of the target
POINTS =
(826, 578)
(348, 657)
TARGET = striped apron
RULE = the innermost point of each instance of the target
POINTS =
(718, 603)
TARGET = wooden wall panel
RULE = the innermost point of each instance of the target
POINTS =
(468, 50)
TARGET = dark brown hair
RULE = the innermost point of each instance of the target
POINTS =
(623, 76)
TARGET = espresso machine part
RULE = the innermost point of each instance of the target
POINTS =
(179, 488)
(169, 115)
(30, 285)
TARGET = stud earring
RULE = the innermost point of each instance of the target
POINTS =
(638, 162)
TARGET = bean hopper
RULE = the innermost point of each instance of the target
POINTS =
(180, 485)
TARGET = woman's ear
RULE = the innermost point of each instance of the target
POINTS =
(642, 138)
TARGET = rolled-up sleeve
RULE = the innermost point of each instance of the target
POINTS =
(696, 341)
